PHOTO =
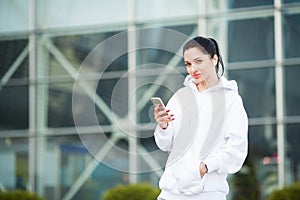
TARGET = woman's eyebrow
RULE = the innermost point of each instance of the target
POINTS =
(197, 58)
(186, 61)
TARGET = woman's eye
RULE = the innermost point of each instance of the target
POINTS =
(198, 61)
(187, 64)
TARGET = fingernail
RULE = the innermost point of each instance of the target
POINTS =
(167, 110)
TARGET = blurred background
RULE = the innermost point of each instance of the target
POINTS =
(43, 44)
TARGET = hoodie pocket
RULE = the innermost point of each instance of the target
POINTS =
(167, 181)
(187, 175)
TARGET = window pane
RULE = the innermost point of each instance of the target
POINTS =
(251, 39)
(147, 142)
(14, 107)
(66, 158)
(155, 56)
(257, 88)
(112, 96)
(263, 156)
(163, 45)
(233, 4)
(156, 9)
(114, 92)
(290, 1)
(60, 105)
(292, 153)
(292, 92)
(10, 52)
(165, 89)
(80, 13)
(77, 48)
(246, 3)
(14, 163)
(185, 29)
(14, 16)
(61, 111)
(292, 36)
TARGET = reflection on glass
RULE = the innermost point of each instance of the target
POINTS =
(14, 107)
(114, 92)
(186, 29)
(76, 48)
(233, 4)
(251, 39)
(245, 3)
(163, 45)
(80, 14)
(14, 164)
(263, 155)
(290, 1)
(164, 89)
(67, 159)
(10, 51)
(291, 35)
(292, 92)
(156, 56)
(257, 88)
(292, 160)
(15, 16)
(60, 105)
(167, 9)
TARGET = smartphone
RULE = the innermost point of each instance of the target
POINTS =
(157, 101)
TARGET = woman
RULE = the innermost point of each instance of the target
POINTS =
(204, 127)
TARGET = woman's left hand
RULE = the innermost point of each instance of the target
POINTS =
(203, 169)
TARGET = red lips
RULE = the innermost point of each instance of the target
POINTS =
(196, 76)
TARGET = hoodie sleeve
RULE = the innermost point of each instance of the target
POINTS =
(230, 157)
(164, 138)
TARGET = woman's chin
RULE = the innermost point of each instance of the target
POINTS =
(197, 81)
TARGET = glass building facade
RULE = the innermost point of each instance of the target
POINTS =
(50, 144)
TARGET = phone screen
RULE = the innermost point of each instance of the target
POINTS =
(157, 101)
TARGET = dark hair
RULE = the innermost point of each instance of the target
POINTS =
(208, 46)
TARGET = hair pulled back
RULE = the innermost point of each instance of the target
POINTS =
(207, 46)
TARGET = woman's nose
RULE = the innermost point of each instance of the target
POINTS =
(194, 67)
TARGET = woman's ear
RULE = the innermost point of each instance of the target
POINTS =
(215, 59)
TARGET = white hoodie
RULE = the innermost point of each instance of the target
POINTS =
(210, 127)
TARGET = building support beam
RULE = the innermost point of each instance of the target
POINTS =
(13, 68)
(279, 90)
(32, 96)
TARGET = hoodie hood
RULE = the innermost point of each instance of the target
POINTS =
(224, 83)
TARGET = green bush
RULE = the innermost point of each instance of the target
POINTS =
(245, 183)
(141, 191)
(291, 192)
(19, 195)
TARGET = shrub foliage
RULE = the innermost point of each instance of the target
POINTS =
(19, 195)
(291, 192)
(133, 192)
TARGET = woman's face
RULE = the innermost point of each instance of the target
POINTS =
(199, 65)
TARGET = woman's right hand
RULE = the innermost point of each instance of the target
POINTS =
(162, 116)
